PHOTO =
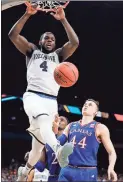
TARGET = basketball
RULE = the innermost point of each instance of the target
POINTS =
(66, 74)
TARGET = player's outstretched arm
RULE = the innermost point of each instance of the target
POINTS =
(64, 137)
(105, 138)
(56, 124)
(19, 41)
(69, 48)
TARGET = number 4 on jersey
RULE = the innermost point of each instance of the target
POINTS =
(81, 143)
(44, 66)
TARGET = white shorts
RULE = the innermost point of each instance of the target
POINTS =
(34, 106)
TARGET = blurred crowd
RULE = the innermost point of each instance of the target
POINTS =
(9, 174)
(104, 177)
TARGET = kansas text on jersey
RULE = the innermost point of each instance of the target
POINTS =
(85, 143)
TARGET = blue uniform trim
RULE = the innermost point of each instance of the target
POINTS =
(40, 166)
(79, 167)
(63, 139)
(53, 178)
(78, 174)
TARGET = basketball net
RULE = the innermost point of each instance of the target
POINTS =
(48, 5)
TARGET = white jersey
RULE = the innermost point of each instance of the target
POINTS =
(41, 176)
(40, 72)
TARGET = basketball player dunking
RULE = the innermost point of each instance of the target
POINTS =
(86, 135)
(40, 98)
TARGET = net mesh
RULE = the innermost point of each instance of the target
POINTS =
(50, 5)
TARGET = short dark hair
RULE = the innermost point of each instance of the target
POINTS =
(41, 37)
(96, 102)
(66, 119)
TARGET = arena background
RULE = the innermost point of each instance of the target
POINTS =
(99, 58)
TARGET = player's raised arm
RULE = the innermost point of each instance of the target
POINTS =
(19, 41)
(64, 137)
(56, 124)
(69, 48)
(105, 138)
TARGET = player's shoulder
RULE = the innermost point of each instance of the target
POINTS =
(33, 46)
(102, 128)
(29, 53)
(68, 127)
(74, 123)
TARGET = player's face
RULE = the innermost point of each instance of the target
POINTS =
(89, 109)
(48, 41)
(63, 123)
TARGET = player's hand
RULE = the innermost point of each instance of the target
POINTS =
(56, 124)
(31, 8)
(58, 13)
(111, 174)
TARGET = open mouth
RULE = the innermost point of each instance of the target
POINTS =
(48, 45)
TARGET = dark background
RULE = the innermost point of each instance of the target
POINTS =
(99, 58)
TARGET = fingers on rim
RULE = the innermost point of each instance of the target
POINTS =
(28, 4)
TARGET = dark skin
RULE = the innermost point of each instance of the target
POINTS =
(48, 41)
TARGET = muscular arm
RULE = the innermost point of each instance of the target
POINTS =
(19, 41)
(105, 138)
(66, 130)
(69, 48)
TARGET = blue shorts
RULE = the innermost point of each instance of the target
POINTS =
(78, 174)
(53, 178)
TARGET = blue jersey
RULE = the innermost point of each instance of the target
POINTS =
(85, 144)
(53, 165)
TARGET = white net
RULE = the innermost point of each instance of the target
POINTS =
(48, 5)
